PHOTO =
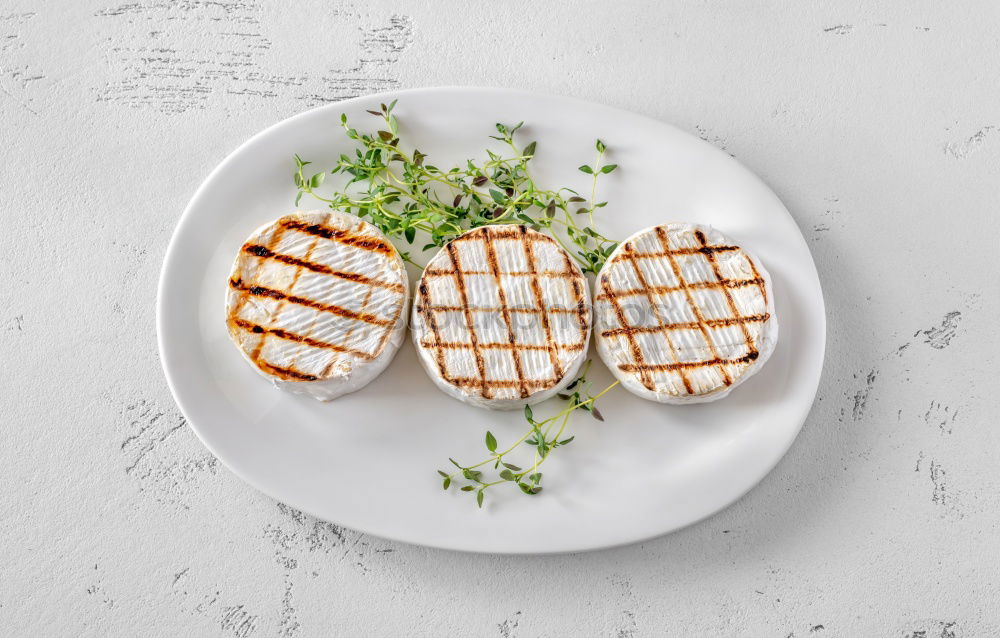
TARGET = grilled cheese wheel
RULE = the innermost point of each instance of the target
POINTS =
(316, 302)
(501, 317)
(682, 314)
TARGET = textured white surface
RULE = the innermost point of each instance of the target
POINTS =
(878, 127)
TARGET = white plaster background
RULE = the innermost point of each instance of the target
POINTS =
(877, 123)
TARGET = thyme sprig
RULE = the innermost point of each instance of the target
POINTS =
(406, 197)
(543, 435)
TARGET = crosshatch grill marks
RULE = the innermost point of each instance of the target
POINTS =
(491, 259)
(627, 254)
(510, 342)
(470, 324)
(664, 242)
(536, 289)
(711, 350)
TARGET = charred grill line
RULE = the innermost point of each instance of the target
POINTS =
(484, 390)
(705, 250)
(537, 290)
(457, 345)
(286, 374)
(581, 299)
(374, 244)
(747, 358)
(664, 290)
(691, 325)
(261, 291)
(291, 336)
(263, 252)
(530, 311)
(427, 312)
(491, 259)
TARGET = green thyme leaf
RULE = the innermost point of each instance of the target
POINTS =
(491, 442)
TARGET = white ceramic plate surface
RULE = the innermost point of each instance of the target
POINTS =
(368, 459)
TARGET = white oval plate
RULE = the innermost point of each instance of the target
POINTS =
(368, 459)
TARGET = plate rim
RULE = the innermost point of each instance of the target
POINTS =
(172, 255)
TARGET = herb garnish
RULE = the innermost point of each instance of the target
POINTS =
(403, 195)
(542, 435)
(398, 191)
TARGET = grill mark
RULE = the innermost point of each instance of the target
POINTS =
(751, 346)
(424, 310)
(286, 374)
(581, 298)
(691, 325)
(747, 358)
(662, 236)
(261, 291)
(551, 274)
(472, 382)
(374, 244)
(265, 253)
(757, 277)
(484, 390)
(705, 250)
(501, 231)
(491, 259)
(573, 310)
(627, 253)
(250, 326)
(457, 345)
(664, 290)
(536, 288)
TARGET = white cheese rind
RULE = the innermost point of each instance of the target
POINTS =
(504, 361)
(682, 291)
(316, 303)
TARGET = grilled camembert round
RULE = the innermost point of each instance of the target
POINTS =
(501, 317)
(316, 302)
(682, 314)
